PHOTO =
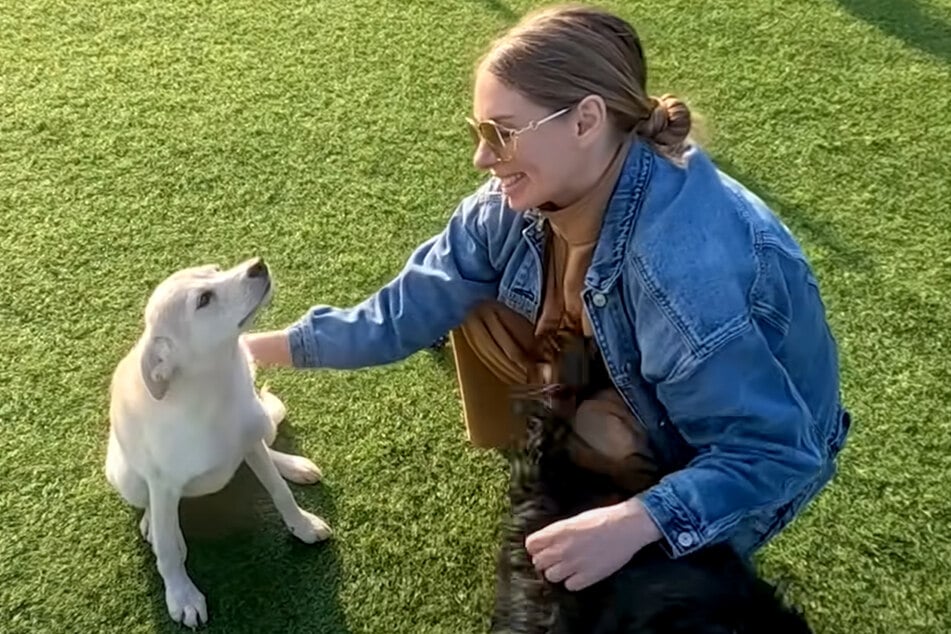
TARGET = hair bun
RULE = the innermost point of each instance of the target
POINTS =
(667, 123)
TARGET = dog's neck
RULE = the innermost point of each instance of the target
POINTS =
(212, 374)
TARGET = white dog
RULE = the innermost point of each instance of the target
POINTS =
(184, 414)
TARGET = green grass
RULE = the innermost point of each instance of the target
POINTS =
(138, 137)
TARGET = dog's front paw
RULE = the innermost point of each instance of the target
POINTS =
(186, 604)
(299, 470)
(309, 528)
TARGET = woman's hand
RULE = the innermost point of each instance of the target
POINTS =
(588, 547)
(268, 348)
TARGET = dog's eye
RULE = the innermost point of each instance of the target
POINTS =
(205, 298)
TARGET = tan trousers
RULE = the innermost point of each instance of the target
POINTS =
(494, 351)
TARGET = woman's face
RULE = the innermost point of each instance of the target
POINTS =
(540, 166)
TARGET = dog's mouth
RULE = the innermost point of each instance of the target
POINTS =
(257, 306)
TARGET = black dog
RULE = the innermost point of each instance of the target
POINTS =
(712, 591)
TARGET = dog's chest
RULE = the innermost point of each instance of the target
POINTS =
(208, 472)
(203, 453)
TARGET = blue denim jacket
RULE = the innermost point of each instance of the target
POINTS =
(706, 312)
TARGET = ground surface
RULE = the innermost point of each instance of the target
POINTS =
(138, 137)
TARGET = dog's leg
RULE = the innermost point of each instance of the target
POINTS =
(276, 412)
(145, 527)
(133, 488)
(297, 469)
(185, 602)
(129, 484)
(307, 527)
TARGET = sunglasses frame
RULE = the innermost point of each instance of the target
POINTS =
(503, 151)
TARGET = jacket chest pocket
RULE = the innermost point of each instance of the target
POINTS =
(521, 284)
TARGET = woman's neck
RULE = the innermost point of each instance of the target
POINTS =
(590, 178)
(580, 222)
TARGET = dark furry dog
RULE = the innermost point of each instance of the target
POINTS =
(712, 591)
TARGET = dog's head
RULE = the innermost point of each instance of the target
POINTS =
(197, 312)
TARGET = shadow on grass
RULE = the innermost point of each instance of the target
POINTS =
(255, 576)
(442, 356)
(806, 226)
(918, 318)
(499, 8)
(908, 21)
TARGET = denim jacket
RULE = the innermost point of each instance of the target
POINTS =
(707, 315)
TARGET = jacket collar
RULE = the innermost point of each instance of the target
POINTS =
(626, 200)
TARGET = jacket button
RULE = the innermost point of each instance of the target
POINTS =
(685, 540)
(599, 300)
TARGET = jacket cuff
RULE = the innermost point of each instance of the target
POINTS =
(303, 344)
(676, 523)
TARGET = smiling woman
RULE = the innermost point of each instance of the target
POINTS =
(605, 221)
(599, 74)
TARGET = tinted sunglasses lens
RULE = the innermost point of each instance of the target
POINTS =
(493, 138)
(488, 132)
(474, 131)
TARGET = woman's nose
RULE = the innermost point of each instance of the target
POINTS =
(484, 158)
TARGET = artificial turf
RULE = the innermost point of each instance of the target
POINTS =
(328, 137)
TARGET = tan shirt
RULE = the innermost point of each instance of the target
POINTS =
(496, 349)
(572, 240)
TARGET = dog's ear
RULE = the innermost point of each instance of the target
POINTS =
(157, 365)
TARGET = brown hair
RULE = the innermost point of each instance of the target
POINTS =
(559, 55)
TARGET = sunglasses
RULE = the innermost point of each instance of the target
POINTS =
(501, 140)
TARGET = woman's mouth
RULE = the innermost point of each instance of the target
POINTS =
(509, 182)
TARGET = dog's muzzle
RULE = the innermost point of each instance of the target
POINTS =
(257, 269)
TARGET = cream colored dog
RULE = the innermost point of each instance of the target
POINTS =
(184, 414)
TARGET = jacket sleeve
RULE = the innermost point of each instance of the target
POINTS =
(754, 436)
(439, 284)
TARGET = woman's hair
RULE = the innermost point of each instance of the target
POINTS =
(559, 55)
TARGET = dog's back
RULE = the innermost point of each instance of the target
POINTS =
(710, 592)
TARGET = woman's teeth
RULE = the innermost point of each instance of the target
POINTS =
(509, 181)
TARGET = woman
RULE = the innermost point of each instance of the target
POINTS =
(603, 220)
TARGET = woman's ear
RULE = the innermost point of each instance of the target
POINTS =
(591, 118)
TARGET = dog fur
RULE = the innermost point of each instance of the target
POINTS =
(712, 591)
(184, 414)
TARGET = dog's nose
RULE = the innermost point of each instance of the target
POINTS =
(258, 268)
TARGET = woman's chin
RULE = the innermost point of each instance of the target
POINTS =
(519, 201)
